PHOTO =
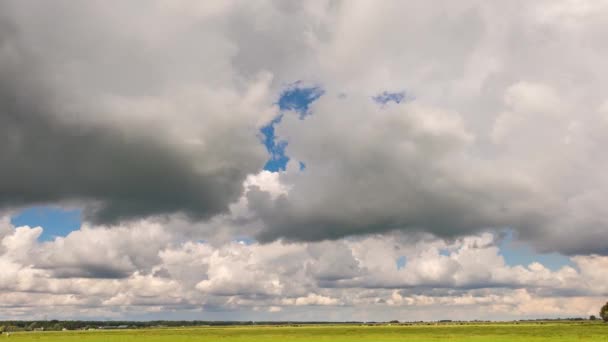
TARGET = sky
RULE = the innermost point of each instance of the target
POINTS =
(288, 160)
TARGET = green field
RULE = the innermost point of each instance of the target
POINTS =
(451, 332)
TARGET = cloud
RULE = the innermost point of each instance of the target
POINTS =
(494, 137)
(499, 128)
(74, 131)
(165, 273)
(405, 167)
(433, 127)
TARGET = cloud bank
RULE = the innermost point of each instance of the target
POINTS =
(139, 271)
(427, 125)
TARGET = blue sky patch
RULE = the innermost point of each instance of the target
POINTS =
(401, 262)
(295, 98)
(444, 252)
(298, 98)
(386, 97)
(516, 253)
(55, 221)
(278, 160)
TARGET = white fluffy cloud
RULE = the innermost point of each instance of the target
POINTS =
(129, 278)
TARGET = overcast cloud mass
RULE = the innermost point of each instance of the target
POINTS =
(415, 136)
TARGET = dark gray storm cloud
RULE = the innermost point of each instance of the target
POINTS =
(58, 145)
(132, 175)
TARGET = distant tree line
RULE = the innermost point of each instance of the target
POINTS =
(57, 325)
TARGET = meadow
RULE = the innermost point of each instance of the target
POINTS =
(495, 332)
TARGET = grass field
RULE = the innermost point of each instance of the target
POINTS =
(470, 332)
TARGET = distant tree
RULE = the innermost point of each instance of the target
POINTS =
(604, 312)
(56, 327)
(592, 318)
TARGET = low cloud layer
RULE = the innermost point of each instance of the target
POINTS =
(120, 273)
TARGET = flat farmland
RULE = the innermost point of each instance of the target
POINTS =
(495, 332)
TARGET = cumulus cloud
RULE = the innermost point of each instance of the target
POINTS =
(346, 275)
(394, 167)
(492, 137)
(153, 142)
